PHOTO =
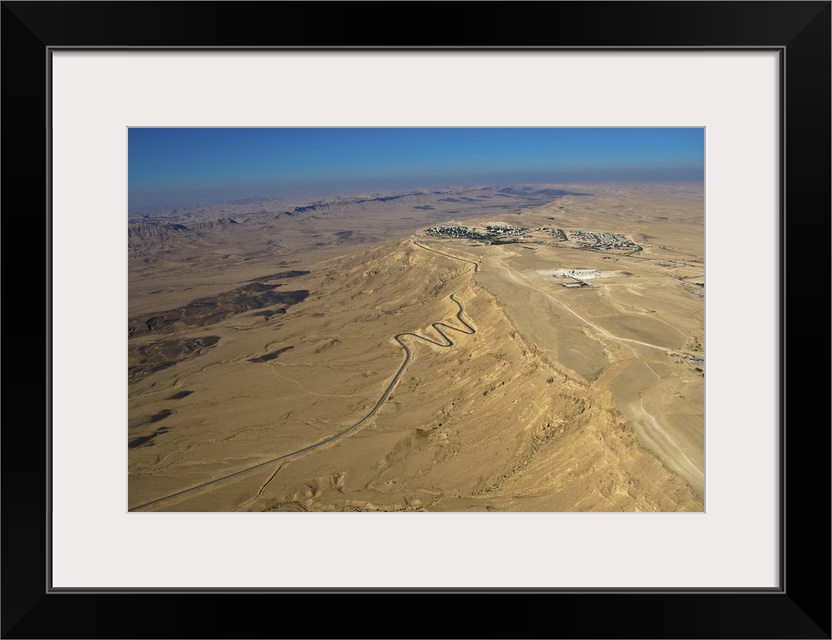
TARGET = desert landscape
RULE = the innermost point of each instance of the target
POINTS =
(517, 348)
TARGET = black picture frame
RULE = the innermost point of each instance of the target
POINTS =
(799, 31)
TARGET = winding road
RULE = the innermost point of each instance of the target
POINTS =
(439, 327)
(448, 255)
(658, 438)
(599, 329)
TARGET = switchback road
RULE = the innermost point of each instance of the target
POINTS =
(446, 342)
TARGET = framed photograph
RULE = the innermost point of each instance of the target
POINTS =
(97, 95)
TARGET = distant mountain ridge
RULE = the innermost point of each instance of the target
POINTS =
(148, 231)
(259, 217)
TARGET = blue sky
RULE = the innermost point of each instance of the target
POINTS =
(186, 166)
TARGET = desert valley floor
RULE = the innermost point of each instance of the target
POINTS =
(527, 348)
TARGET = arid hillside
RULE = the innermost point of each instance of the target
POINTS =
(343, 356)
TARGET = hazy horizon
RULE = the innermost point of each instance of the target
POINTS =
(183, 167)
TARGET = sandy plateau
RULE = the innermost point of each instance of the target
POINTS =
(532, 348)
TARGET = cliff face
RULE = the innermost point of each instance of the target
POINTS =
(487, 422)
(320, 361)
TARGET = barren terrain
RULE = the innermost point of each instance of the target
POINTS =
(536, 348)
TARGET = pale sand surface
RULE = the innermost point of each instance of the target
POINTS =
(256, 334)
